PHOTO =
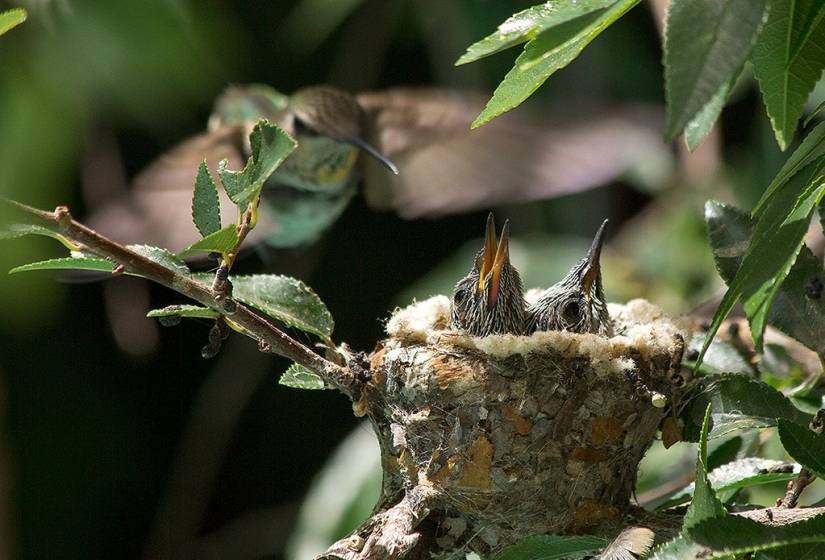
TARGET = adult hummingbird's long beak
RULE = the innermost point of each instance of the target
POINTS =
(489, 255)
(502, 257)
(591, 271)
(362, 144)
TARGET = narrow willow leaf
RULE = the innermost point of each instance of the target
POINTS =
(699, 64)
(299, 377)
(549, 51)
(286, 299)
(68, 263)
(221, 241)
(812, 147)
(698, 128)
(12, 18)
(206, 208)
(270, 146)
(788, 61)
(163, 257)
(705, 504)
(194, 311)
(796, 309)
(552, 547)
(528, 23)
(812, 115)
(734, 534)
(801, 443)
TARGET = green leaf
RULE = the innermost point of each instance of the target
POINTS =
(680, 548)
(163, 257)
(801, 443)
(697, 129)
(551, 547)
(788, 59)
(194, 311)
(206, 208)
(776, 242)
(270, 146)
(810, 149)
(12, 18)
(793, 311)
(738, 402)
(549, 51)
(299, 377)
(734, 534)
(528, 23)
(222, 241)
(705, 504)
(750, 471)
(286, 299)
(706, 43)
(68, 263)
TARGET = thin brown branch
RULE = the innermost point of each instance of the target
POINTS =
(271, 338)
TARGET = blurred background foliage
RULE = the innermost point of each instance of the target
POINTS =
(92, 90)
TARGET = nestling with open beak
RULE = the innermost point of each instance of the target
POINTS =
(576, 304)
(490, 300)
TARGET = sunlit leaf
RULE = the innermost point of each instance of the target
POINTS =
(206, 208)
(680, 548)
(788, 59)
(812, 147)
(706, 44)
(68, 263)
(12, 18)
(801, 443)
(270, 146)
(299, 377)
(528, 23)
(705, 504)
(553, 49)
(286, 299)
(552, 547)
(163, 257)
(193, 311)
(221, 241)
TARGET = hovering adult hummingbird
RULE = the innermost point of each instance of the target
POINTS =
(576, 304)
(490, 300)
(443, 166)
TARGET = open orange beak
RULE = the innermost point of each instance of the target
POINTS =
(502, 256)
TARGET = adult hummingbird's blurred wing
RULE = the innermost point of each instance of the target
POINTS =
(158, 208)
(520, 156)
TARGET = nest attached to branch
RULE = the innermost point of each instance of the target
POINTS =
(486, 441)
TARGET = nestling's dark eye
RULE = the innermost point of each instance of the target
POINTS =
(459, 296)
(571, 310)
(303, 129)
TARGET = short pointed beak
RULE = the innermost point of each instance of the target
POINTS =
(489, 251)
(591, 272)
(362, 144)
(502, 258)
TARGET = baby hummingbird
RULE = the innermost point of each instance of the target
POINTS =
(576, 304)
(490, 300)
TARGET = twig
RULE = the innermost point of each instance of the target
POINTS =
(270, 338)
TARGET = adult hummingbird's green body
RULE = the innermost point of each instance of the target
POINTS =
(301, 199)
(445, 167)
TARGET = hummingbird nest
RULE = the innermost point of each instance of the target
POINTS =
(488, 440)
